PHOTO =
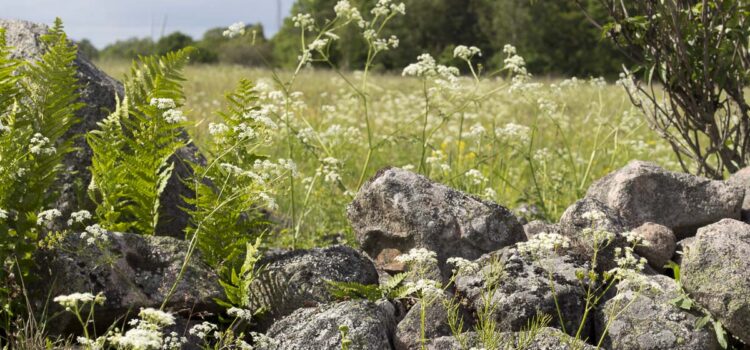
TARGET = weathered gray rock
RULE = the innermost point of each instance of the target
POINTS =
(131, 270)
(544, 339)
(370, 326)
(643, 192)
(716, 274)
(577, 224)
(98, 91)
(651, 322)
(742, 179)
(304, 274)
(408, 331)
(398, 210)
(659, 244)
(538, 226)
(523, 290)
(682, 246)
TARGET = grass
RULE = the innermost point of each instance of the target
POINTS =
(535, 150)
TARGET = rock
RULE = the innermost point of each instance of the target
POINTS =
(370, 326)
(576, 222)
(643, 192)
(716, 274)
(681, 247)
(660, 246)
(132, 271)
(408, 332)
(304, 274)
(742, 179)
(98, 92)
(398, 210)
(523, 290)
(651, 321)
(543, 339)
(538, 226)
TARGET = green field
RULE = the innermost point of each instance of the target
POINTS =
(535, 150)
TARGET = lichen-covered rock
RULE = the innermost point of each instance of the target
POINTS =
(370, 326)
(408, 332)
(659, 244)
(97, 93)
(131, 270)
(742, 179)
(305, 272)
(543, 339)
(716, 274)
(523, 290)
(398, 210)
(586, 216)
(643, 192)
(536, 227)
(651, 322)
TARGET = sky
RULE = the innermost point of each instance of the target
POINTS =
(105, 21)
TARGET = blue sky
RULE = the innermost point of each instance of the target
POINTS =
(104, 21)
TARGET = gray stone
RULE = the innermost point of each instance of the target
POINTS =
(651, 322)
(716, 274)
(574, 224)
(522, 290)
(98, 92)
(536, 227)
(132, 271)
(742, 179)
(408, 332)
(370, 326)
(543, 339)
(682, 246)
(305, 272)
(398, 210)
(643, 192)
(659, 244)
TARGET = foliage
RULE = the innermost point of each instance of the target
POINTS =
(393, 289)
(133, 149)
(697, 52)
(38, 102)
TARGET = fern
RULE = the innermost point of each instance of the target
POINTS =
(394, 288)
(134, 145)
(225, 210)
(38, 102)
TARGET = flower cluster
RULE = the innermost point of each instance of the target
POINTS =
(242, 314)
(418, 256)
(425, 288)
(544, 243)
(93, 234)
(345, 10)
(462, 266)
(3, 214)
(235, 30)
(466, 53)
(79, 217)
(146, 333)
(304, 21)
(163, 103)
(174, 116)
(73, 301)
(385, 7)
(41, 145)
(47, 217)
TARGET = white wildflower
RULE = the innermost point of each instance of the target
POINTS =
(163, 103)
(475, 176)
(318, 45)
(420, 256)
(37, 145)
(543, 243)
(466, 53)
(217, 128)
(3, 214)
(94, 233)
(509, 49)
(138, 339)
(79, 217)
(47, 217)
(156, 317)
(426, 288)
(235, 30)
(243, 314)
(203, 330)
(73, 300)
(462, 265)
(245, 132)
(304, 21)
(174, 116)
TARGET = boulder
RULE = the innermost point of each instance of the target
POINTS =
(586, 216)
(98, 91)
(643, 192)
(651, 322)
(681, 247)
(742, 179)
(523, 291)
(545, 338)
(370, 326)
(536, 227)
(716, 274)
(398, 210)
(408, 332)
(304, 274)
(659, 244)
(132, 271)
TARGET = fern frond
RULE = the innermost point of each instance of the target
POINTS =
(354, 290)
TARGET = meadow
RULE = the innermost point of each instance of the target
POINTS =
(534, 148)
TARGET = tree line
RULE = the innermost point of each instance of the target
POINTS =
(555, 37)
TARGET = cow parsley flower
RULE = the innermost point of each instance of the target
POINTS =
(79, 217)
(163, 103)
(509, 49)
(173, 341)
(516, 64)
(174, 116)
(426, 288)
(47, 217)
(420, 256)
(156, 317)
(3, 214)
(243, 314)
(217, 128)
(38, 143)
(235, 30)
(543, 244)
(72, 301)
(475, 176)
(462, 265)
(466, 53)
(304, 21)
(245, 132)
(93, 234)
(318, 45)
(138, 339)
(203, 330)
